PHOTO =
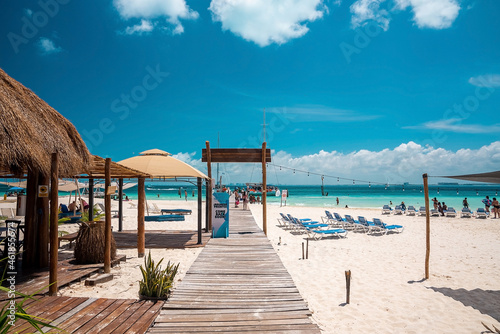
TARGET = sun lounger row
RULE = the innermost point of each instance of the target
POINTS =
(313, 229)
(361, 224)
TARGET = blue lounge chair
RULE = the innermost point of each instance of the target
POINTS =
(164, 218)
(388, 228)
(411, 211)
(466, 213)
(481, 213)
(368, 226)
(337, 232)
(386, 209)
(398, 210)
(421, 211)
(354, 224)
(450, 212)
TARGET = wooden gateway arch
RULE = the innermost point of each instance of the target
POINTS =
(255, 155)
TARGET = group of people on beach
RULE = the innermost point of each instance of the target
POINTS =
(488, 203)
(492, 203)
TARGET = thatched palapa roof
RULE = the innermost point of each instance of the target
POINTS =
(31, 130)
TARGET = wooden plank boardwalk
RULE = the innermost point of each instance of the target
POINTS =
(237, 284)
(90, 315)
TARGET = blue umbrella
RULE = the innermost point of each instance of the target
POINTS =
(16, 188)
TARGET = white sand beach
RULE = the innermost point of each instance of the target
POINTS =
(388, 293)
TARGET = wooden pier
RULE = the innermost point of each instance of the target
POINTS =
(237, 284)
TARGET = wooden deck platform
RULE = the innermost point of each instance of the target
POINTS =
(67, 272)
(90, 315)
(237, 284)
(161, 239)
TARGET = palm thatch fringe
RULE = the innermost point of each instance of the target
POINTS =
(31, 130)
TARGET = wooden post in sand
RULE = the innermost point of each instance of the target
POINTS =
(348, 286)
(427, 227)
(209, 187)
(264, 189)
(54, 228)
(141, 237)
(107, 209)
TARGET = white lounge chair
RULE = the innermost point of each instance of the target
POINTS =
(398, 210)
(388, 228)
(481, 213)
(421, 211)
(411, 211)
(466, 213)
(450, 212)
(386, 209)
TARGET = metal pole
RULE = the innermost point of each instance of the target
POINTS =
(209, 186)
(141, 237)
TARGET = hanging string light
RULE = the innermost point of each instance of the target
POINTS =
(438, 190)
(403, 187)
(369, 185)
(353, 182)
(457, 191)
(477, 192)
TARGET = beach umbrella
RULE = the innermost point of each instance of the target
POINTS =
(16, 189)
(161, 164)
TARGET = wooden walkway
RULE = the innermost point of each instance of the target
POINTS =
(90, 315)
(161, 239)
(236, 285)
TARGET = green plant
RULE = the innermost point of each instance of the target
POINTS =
(157, 282)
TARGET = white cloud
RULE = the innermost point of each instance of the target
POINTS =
(145, 27)
(488, 80)
(364, 11)
(265, 22)
(435, 14)
(47, 46)
(404, 163)
(306, 113)
(172, 10)
(457, 125)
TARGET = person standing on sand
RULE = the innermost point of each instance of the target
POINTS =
(487, 203)
(337, 201)
(496, 207)
(186, 194)
(465, 203)
(435, 203)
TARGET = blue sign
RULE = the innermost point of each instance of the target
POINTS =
(220, 215)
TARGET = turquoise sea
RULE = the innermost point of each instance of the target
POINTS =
(363, 195)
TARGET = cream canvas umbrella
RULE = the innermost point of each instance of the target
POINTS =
(161, 164)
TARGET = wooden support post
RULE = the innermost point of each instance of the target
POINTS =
(120, 205)
(207, 212)
(348, 286)
(91, 200)
(199, 210)
(141, 238)
(43, 226)
(303, 251)
(264, 189)
(107, 208)
(209, 186)
(427, 227)
(307, 248)
(54, 232)
(30, 222)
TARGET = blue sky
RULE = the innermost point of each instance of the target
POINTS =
(369, 89)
